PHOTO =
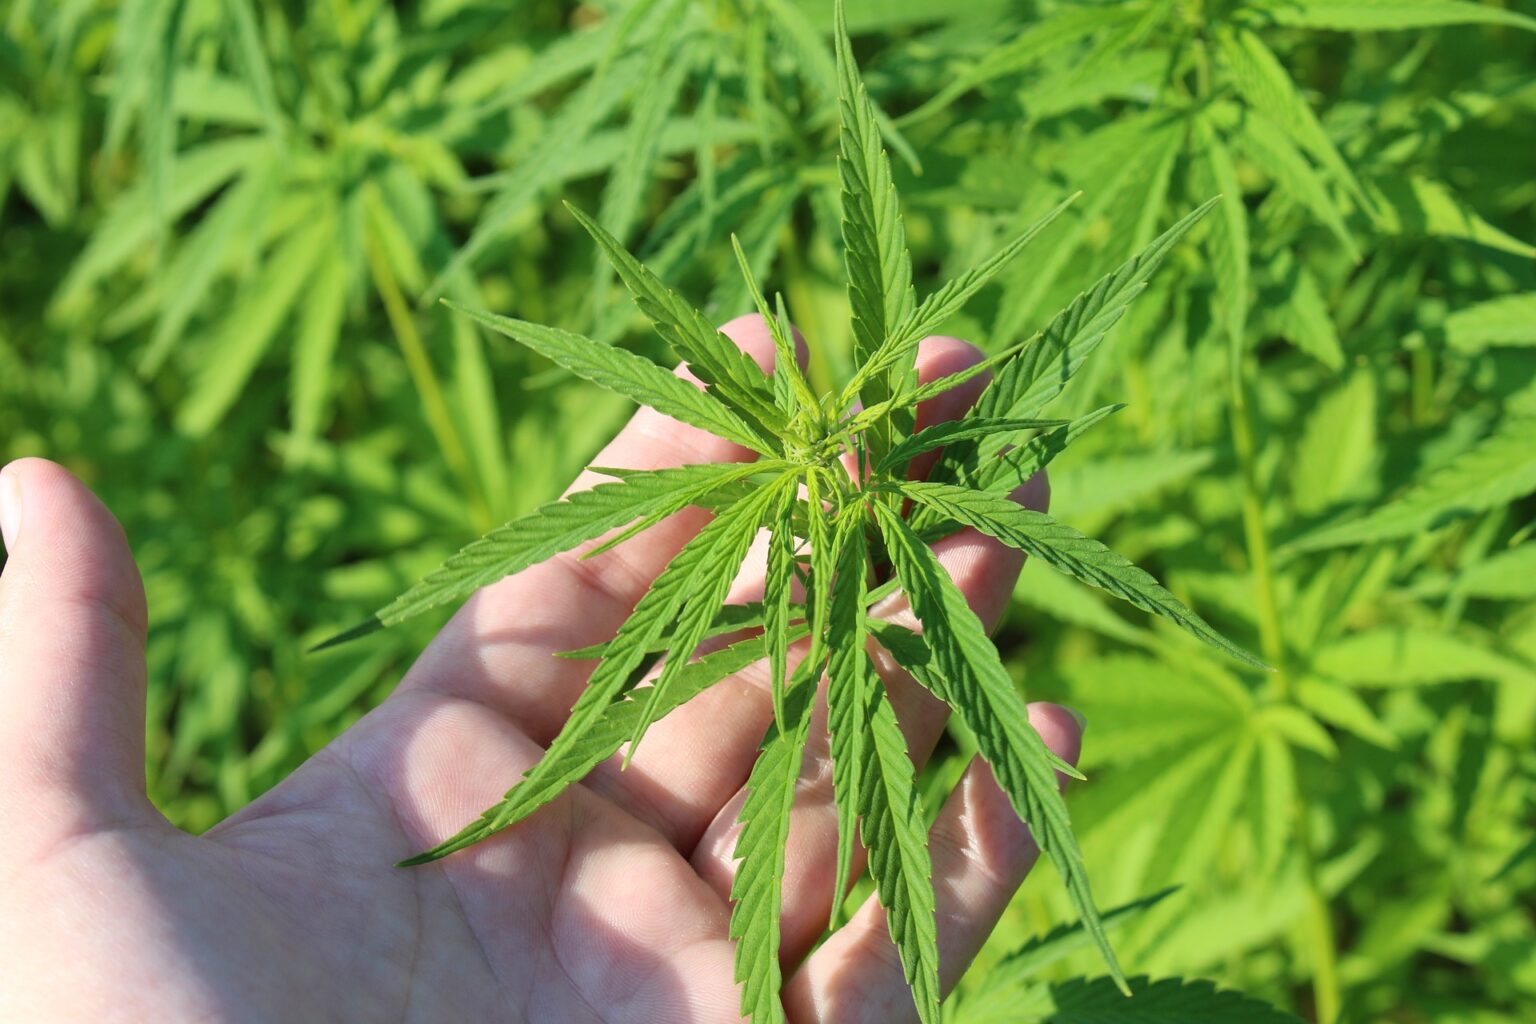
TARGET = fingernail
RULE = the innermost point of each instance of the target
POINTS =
(10, 509)
(1077, 716)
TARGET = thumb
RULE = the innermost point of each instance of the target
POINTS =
(72, 624)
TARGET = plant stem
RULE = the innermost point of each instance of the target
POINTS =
(439, 420)
(1326, 998)
(1319, 935)
(1271, 640)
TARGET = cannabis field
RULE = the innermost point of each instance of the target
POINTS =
(225, 226)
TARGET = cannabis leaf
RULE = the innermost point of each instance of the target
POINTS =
(830, 533)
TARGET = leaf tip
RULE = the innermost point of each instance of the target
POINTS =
(425, 857)
(371, 625)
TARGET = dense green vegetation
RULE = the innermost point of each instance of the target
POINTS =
(223, 224)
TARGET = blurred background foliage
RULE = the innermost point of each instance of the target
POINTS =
(224, 222)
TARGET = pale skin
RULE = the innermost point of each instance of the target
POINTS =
(608, 905)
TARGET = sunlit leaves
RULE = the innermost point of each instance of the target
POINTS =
(1044, 367)
(901, 338)
(1500, 468)
(1381, 348)
(957, 662)
(828, 528)
(758, 886)
(996, 998)
(1268, 89)
(553, 528)
(895, 831)
(778, 584)
(1152, 1002)
(730, 374)
(1390, 15)
(1229, 230)
(630, 375)
(1064, 548)
(849, 697)
(875, 243)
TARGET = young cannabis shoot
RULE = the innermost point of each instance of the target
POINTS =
(832, 527)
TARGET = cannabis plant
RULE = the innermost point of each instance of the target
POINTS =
(831, 484)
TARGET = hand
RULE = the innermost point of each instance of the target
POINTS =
(608, 905)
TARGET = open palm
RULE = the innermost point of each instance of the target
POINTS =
(611, 904)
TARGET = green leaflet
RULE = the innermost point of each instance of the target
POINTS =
(205, 254)
(1497, 470)
(129, 224)
(1204, 814)
(240, 19)
(848, 697)
(950, 298)
(901, 340)
(1342, 708)
(895, 831)
(728, 371)
(616, 724)
(955, 660)
(314, 345)
(1390, 15)
(1396, 656)
(1023, 387)
(1300, 313)
(1416, 206)
(1104, 486)
(821, 532)
(1335, 456)
(875, 244)
(710, 584)
(941, 434)
(762, 235)
(786, 366)
(1507, 320)
(730, 618)
(996, 998)
(237, 350)
(1126, 165)
(550, 529)
(1229, 230)
(1508, 575)
(778, 583)
(757, 889)
(630, 375)
(912, 396)
(1007, 470)
(694, 566)
(1101, 1001)
(616, 72)
(1268, 89)
(666, 69)
(1267, 145)
(1064, 548)
(806, 48)
(1060, 31)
